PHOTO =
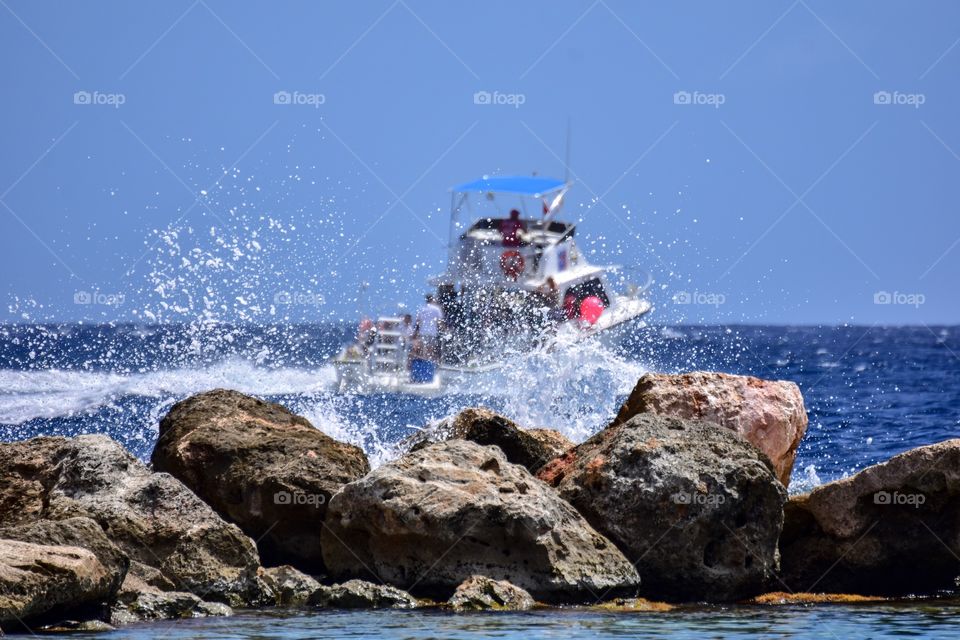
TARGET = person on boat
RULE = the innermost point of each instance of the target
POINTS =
(551, 296)
(428, 327)
(406, 337)
(510, 229)
(366, 334)
(571, 306)
(407, 328)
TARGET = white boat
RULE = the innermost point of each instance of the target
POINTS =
(515, 281)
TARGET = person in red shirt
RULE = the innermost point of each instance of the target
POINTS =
(510, 229)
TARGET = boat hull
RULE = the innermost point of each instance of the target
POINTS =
(354, 376)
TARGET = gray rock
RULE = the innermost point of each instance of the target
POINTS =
(555, 443)
(43, 580)
(260, 466)
(152, 517)
(694, 506)
(437, 516)
(150, 576)
(479, 593)
(891, 530)
(138, 600)
(292, 587)
(360, 594)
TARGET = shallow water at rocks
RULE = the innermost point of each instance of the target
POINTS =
(919, 619)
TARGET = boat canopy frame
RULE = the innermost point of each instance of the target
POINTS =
(525, 187)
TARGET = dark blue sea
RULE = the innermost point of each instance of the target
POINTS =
(871, 392)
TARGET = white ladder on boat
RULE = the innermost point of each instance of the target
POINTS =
(388, 353)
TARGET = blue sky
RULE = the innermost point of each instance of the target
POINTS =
(740, 152)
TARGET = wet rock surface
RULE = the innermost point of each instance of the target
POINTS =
(260, 466)
(293, 588)
(694, 506)
(454, 509)
(479, 593)
(360, 594)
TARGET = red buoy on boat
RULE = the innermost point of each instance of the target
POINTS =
(591, 309)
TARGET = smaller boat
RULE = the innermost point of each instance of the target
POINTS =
(515, 281)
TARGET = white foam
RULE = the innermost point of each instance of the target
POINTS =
(571, 387)
(53, 393)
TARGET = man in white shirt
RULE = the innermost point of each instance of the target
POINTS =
(429, 325)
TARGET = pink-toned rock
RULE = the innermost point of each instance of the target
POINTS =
(768, 414)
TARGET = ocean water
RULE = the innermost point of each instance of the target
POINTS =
(871, 392)
(917, 620)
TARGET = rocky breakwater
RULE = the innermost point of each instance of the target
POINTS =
(681, 498)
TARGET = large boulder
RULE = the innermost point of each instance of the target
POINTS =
(43, 580)
(694, 506)
(480, 593)
(453, 509)
(485, 427)
(260, 466)
(152, 517)
(770, 414)
(892, 529)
